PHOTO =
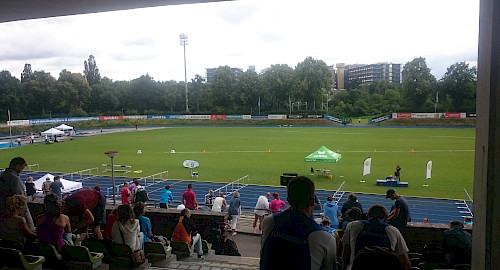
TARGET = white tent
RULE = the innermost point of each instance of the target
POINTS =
(64, 127)
(52, 132)
(68, 185)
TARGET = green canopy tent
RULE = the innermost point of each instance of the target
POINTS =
(324, 155)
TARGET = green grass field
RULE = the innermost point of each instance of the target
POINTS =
(265, 153)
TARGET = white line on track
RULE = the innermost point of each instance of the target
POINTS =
(355, 151)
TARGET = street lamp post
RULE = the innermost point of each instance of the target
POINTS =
(184, 38)
(112, 154)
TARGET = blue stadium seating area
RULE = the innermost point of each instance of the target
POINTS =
(437, 210)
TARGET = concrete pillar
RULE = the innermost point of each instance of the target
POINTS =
(486, 232)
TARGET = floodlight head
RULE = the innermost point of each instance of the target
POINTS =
(111, 154)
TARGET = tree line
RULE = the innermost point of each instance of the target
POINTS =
(307, 87)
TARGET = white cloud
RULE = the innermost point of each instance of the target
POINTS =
(128, 44)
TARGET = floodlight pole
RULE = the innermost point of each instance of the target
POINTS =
(112, 154)
(183, 38)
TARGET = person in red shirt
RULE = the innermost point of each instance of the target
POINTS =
(189, 198)
(86, 207)
(125, 193)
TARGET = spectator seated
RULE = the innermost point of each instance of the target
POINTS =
(157, 253)
(13, 258)
(80, 256)
(376, 258)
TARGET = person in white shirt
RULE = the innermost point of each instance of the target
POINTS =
(261, 210)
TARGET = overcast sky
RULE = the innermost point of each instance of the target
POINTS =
(260, 33)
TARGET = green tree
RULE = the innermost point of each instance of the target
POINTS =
(418, 83)
(313, 76)
(223, 89)
(279, 82)
(91, 71)
(459, 83)
(74, 92)
(40, 93)
(9, 93)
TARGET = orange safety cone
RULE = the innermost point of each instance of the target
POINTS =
(269, 150)
(203, 150)
(412, 149)
(338, 150)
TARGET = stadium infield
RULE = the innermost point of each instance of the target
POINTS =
(264, 153)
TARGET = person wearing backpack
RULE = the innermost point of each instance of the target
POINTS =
(292, 239)
(376, 237)
(140, 194)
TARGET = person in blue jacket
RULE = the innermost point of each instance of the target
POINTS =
(331, 210)
(166, 197)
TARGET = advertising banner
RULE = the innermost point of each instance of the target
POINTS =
(135, 117)
(198, 116)
(240, 116)
(157, 116)
(429, 169)
(380, 119)
(18, 123)
(276, 116)
(218, 116)
(259, 116)
(367, 164)
(314, 116)
(110, 117)
(403, 115)
(61, 120)
(334, 119)
(471, 115)
(247, 116)
(424, 115)
(452, 115)
(295, 116)
(177, 116)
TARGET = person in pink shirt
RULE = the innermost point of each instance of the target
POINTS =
(125, 192)
(276, 204)
(189, 198)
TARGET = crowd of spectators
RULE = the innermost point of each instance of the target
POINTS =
(346, 239)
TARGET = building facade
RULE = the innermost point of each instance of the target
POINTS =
(367, 74)
(210, 73)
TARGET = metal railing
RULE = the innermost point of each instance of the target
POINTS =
(154, 178)
(228, 189)
(337, 196)
(465, 206)
(109, 169)
(34, 165)
(81, 175)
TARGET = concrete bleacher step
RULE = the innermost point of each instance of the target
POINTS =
(216, 262)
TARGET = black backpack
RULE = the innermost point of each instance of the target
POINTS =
(373, 234)
(140, 195)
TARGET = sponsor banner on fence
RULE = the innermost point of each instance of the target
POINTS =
(454, 115)
(334, 119)
(403, 115)
(18, 123)
(247, 116)
(259, 116)
(157, 116)
(471, 115)
(111, 117)
(61, 120)
(217, 116)
(424, 115)
(177, 116)
(276, 116)
(295, 116)
(380, 119)
(240, 116)
(314, 116)
(135, 117)
(198, 116)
